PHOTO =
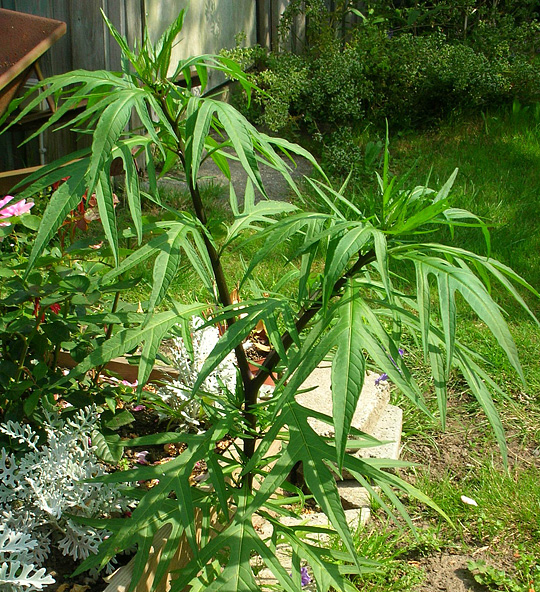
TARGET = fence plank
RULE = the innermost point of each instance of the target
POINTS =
(87, 40)
(88, 44)
(135, 11)
(116, 13)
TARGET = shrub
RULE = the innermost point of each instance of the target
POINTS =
(411, 65)
(43, 487)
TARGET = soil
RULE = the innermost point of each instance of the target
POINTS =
(455, 452)
(448, 572)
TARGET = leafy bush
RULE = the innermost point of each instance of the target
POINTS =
(344, 306)
(43, 489)
(387, 66)
(57, 308)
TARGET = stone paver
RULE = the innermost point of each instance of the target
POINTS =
(371, 404)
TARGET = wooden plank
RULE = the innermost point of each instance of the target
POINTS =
(6, 153)
(124, 369)
(134, 23)
(264, 12)
(116, 13)
(135, 10)
(61, 142)
(298, 33)
(87, 40)
(9, 179)
(58, 143)
(38, 7)
(274, 20)
(60, 56)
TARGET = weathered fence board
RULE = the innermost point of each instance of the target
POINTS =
(210, 25)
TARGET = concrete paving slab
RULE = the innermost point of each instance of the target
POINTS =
(387, 429)
(371, 403)
(353, 495)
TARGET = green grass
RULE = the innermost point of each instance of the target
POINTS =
(186, 286)
(498, 158)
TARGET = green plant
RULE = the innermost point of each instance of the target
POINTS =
(57, 312)
(44, 485)
(385, 545)
(493, 578)
(410, 63)
(349, 309)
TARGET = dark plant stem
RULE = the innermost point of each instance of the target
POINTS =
(57, 346)
(250, 392)
(108, 334)
(20, 366)
(305, 316)
(223, 293)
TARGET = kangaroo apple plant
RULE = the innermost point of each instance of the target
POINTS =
(345, 305)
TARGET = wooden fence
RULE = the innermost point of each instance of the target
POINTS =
(87, 44)
(210, 25)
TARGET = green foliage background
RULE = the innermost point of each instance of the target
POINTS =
(411, 63)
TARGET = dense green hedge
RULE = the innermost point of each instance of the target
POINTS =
(391, 66)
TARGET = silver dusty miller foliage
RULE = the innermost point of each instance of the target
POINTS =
(40, 488)
(178, 393)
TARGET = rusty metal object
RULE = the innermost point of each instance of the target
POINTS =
(25, 38)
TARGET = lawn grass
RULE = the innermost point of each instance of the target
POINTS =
(499, 179)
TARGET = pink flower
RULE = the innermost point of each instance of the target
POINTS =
(17, 209)
(131, 384)
(139, 408)
(141, 457)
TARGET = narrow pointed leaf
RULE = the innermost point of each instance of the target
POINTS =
(348, 371)
(63, 200)
(110, 126)
(106, 208)
(132, 188)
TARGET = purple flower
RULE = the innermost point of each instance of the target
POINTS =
(305, 577)
(141, 457)
(382, 378)
(401, 352)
